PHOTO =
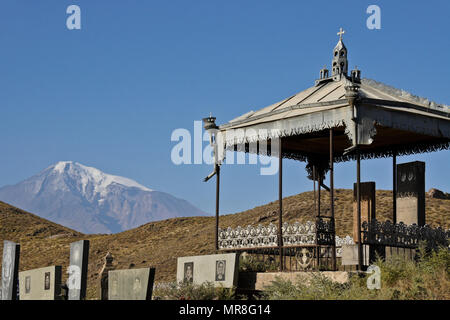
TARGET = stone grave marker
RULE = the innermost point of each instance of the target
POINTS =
(350, 254)
(10, 270)
(396, 252)
(411, 193)
(131, 284)
(367, 205)
(77, 282)
(220, 269)
(40, 284)
(108, 266)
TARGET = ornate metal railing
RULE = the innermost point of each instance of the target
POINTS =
(402, 235)
(309, 246)
(267, 236)
(295, 234)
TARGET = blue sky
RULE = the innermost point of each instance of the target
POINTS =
(110, 95)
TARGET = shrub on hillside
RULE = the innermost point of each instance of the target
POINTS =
(426, 278)
(189, 291)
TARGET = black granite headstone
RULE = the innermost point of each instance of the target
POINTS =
(10, 270)
(411, 193)
(77, 282)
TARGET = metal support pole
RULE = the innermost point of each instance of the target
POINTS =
(358, 219)
(314, 188)
(317, 218)
(394, 187)
(332, 197)
(280, 199)
(318, 196)
(217, 205)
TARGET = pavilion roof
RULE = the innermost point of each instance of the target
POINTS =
(388, 119)
(330, 95)
(375, 117)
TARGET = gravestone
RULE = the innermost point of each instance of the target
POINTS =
(131, 284)
(367, 191)
(220, 269)
(350, 255)
(10, 270)
(411, 193)
(77, 282)
(108, 266)
(402, 253)
(40, 284)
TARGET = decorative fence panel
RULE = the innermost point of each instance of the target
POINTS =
(402, 235)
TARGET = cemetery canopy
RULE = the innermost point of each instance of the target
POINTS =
(376, 118)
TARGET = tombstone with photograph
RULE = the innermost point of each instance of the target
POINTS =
(219, 269)
(131, 284)
(40, 284)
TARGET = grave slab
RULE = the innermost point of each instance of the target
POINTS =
(131, 284)
(350, 255)
(402, 253)
(411, 193)
(220, 269)
(40, 284)
(368, 213)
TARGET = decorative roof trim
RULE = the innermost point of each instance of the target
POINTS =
(285, 109)
(401, 104)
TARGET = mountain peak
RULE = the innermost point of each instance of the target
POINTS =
(90, 175)
(91, 201)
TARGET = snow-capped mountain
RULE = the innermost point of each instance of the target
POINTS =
(88, 200)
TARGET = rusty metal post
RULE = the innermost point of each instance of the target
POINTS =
(318, 194)
(280, 199)
(394, 187)
(314, 188)
(332, 198)
(358, 219)
(317, 218)
(217, 206)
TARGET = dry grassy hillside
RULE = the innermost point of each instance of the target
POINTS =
(158, 244)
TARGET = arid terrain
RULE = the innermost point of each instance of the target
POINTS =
(158, 244)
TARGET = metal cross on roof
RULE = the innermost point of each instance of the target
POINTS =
(340, 33)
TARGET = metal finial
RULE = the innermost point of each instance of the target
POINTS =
(340, 33)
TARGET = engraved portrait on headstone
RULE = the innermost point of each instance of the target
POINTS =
(27, 284)
(137, 287)
(77, 281)
(220, 270)
(10, 270)
(114, 284)
(7, 265)
(188, 272)
(131, 284)
(47, 281)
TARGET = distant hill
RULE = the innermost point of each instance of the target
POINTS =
(91, 201)
(158, 244)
